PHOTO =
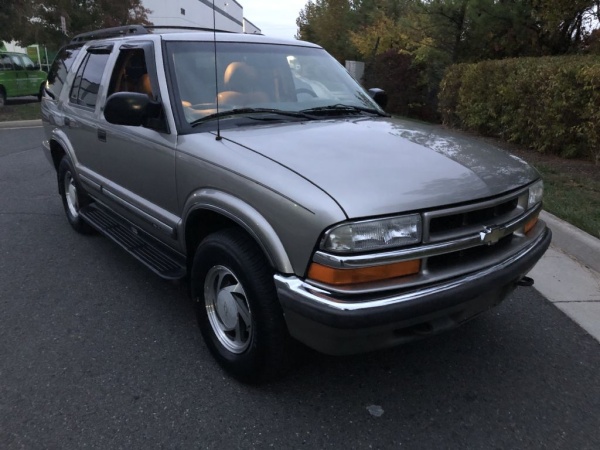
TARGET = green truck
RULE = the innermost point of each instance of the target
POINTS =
(19, 76)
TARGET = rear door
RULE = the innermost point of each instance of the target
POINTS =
(80, 108)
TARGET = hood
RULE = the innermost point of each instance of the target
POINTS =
(384, 166)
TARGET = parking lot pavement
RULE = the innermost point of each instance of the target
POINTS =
(97, 352)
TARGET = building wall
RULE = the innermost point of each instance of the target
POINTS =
(229, 14)
(250, 28)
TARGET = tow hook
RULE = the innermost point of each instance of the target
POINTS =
(525, 282)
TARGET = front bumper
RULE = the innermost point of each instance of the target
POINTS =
(334, 326)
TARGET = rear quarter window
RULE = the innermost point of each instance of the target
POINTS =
(60, 69)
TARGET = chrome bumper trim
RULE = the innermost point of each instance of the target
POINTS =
(304, 291)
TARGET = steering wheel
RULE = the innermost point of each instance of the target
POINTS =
(306, 91)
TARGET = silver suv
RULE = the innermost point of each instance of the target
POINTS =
(299, 210)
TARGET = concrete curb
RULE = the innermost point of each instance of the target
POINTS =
(21, 123)
(576, 243)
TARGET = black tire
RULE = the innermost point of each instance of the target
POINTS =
(231, 281)
(40, 93)
(2, 97)
(73, 197)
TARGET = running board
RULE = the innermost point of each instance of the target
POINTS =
(163, 261)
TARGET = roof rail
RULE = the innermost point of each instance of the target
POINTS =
(109, 32)
(106, 33)
(183, 28)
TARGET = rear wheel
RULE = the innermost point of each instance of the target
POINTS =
(73, 197)
(237, 307)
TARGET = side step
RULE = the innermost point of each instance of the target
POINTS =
(163, 261)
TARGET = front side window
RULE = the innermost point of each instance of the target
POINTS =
(27, 63)
(131, 73)
(250, 75)
(86, 85)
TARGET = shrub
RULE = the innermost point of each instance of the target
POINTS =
(549, 104)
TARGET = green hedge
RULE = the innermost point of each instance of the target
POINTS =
(549, 104)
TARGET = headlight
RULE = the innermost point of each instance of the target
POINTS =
(536, 193)
(374, 234)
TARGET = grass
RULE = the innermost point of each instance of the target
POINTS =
(574, 198)
(20, 110)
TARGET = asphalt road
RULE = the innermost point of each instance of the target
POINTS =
(97, 352)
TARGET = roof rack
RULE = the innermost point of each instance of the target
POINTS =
(106, 33)
(183, 28)
(109, 33)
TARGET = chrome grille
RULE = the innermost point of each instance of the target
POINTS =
(461, 221)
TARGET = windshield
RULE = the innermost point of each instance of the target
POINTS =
(261, 77)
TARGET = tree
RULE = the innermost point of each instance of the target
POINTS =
(29, 21)
(328, 23)
(14, 16)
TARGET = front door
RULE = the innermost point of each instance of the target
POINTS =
(137, 164)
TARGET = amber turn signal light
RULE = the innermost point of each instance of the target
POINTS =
(330, 275)
(530, 224)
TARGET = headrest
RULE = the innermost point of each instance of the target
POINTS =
(239, 76)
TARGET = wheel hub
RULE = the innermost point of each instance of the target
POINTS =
(227, 310)
(71, 195)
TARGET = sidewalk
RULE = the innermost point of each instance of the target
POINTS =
(569, 274)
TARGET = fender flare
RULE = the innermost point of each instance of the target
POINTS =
(61, 139)
(245, 216)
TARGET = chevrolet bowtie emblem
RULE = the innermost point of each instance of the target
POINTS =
(491, 235)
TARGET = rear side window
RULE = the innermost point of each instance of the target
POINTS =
(87, 81)
(59, 70)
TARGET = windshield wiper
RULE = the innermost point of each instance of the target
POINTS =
(341, 109)
(246, 111)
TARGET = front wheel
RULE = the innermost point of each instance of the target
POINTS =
(73, 197)
(237, 307)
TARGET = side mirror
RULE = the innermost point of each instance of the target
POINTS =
(133, 109)
(379, 96)
(36, 66)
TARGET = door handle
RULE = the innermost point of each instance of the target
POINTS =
(70, 122)
(101, 135)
